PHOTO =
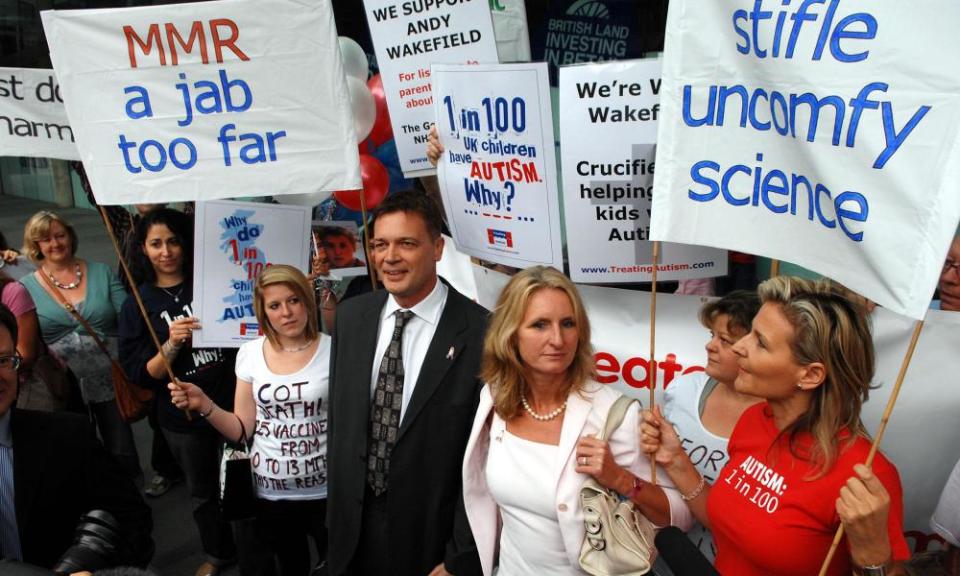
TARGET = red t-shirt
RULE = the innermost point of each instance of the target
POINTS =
(767, 519)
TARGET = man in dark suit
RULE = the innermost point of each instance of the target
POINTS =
(53, 471)
(404, 389)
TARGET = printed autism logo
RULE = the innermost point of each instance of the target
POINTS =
(590, 8)
(499, 238)
(251, 327)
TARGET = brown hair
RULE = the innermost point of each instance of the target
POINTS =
(740, 306)
(411, 201)
(296, 281)
(501, 367)
(38, 228)
(830, 327)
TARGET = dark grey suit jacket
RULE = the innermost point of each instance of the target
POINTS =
(427, 521)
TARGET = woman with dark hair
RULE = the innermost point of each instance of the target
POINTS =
(705, 406)
(162, 250)
(795, 472)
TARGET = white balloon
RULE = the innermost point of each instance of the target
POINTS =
(354, 59)
(306, 199)
(363, 106)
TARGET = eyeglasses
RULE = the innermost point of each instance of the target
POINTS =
(10, 362)
(948, 264)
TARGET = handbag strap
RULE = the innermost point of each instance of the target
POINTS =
(616, 414)
(73, 312)
(244, 441)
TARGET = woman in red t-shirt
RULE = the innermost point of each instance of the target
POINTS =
(795, 471)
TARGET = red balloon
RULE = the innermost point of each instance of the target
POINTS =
(382, 130)
(376, 184)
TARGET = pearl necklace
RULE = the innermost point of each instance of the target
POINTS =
(298, 348)
(69, 286)
(542, 417)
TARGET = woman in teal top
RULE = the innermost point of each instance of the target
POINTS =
(96, 293)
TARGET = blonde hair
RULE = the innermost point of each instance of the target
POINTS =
(295, 280)
(830, 327)
(501, 367)
(38, 228)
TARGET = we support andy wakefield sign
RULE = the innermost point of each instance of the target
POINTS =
(823, 133)
(211, 100)
(498, 173)
(409, 36)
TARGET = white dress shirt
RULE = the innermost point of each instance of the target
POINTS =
(417, 335)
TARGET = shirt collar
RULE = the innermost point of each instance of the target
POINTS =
(6, 438)
(428, 309)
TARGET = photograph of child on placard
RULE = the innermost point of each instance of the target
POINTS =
(340, 243)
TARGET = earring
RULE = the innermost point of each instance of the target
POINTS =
(799, 386)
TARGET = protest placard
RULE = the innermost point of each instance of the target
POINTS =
(235, 241)
(608, 133)
(230, 98)
(33, 121)
(820, 133)
(921, 440)
(498, 174)
(409, 36)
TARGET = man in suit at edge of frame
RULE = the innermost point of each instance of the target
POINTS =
(404, 388)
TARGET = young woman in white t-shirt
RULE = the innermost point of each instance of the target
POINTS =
(281, 400)
(703, 406)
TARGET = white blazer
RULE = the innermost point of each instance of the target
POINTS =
(585, 414)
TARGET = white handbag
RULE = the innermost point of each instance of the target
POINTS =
(619, 539)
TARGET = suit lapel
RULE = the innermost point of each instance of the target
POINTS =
(444, 349)
(578, 409)
(28, 465)
(367, 340)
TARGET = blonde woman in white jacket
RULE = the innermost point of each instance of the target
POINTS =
(533, 441)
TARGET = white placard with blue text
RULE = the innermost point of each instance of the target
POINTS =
(33, 121)
(608, 134)
(223, 99)
(408, 37)
(234, 242)
(820, 133)
(498, 173)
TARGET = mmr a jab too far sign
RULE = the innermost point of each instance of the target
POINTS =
(220, 99)
(821, 132)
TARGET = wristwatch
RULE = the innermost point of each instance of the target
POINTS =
(878, 570)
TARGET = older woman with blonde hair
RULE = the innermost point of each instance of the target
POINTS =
(281, 401)
(94, 292)
(795, 473)
(531, 447)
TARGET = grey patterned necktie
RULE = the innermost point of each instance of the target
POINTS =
(385, 408)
